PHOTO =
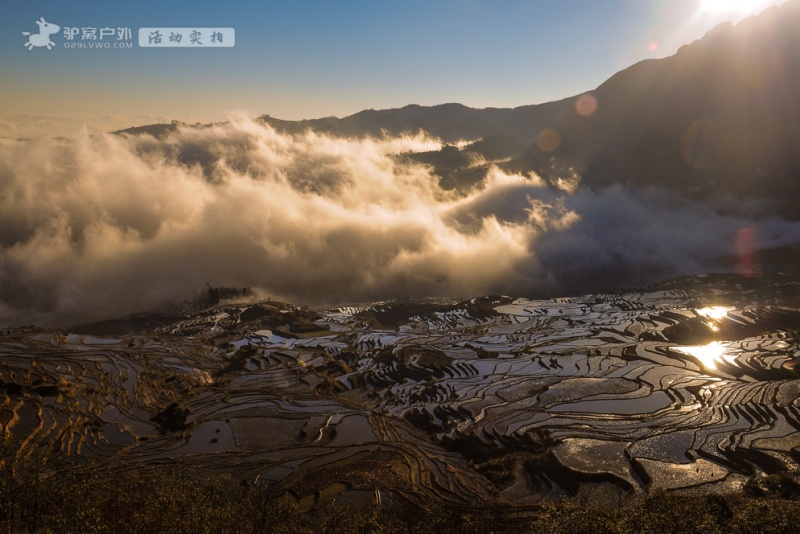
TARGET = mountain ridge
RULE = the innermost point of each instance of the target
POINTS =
(720, 113)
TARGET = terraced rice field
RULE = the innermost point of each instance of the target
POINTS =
(689, 386)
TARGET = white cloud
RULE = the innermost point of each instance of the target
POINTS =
(99, 226)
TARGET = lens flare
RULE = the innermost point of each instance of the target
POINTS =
(586, 105)
(702, 143)
(548, 140)
(747, 263)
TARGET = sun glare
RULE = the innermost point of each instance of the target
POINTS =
(739, 6)
(707, 355)
(715, 312)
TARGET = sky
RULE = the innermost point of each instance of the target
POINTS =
(98, 226)
(310, 59)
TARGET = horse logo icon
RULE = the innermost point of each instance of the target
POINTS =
(46, 29)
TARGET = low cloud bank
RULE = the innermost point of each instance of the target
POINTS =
(33, 126)
(98, 226)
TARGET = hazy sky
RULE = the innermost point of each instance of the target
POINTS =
(306, 59)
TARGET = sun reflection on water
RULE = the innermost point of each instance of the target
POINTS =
(707, 355)
(714, 312)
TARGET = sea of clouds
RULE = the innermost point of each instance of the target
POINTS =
(97, 226)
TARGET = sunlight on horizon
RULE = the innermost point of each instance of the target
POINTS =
(672, 25)
(739, 6)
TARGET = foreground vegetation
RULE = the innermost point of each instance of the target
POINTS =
(40, 492)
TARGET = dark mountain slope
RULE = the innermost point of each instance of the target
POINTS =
(722, 112)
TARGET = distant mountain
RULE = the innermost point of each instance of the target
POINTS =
(451, 122)
(722, 114)
(156, 130)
